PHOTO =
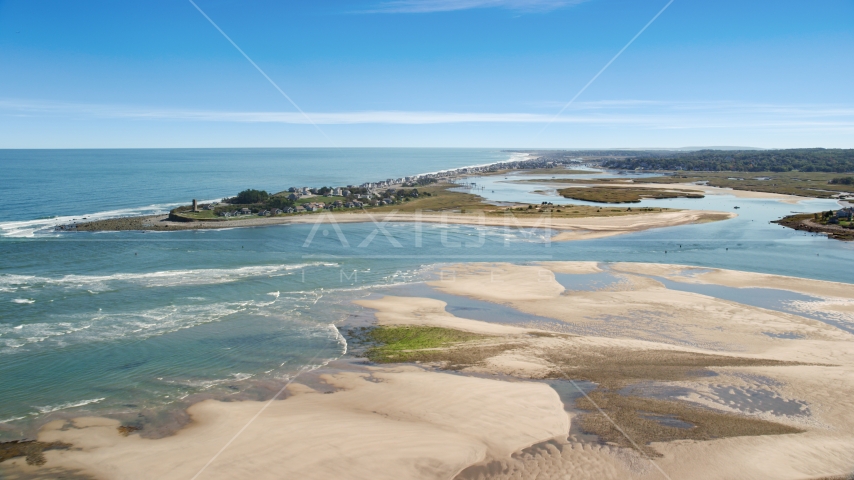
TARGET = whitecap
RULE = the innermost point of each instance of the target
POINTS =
(205, 384)
(77, 328)
(340, 338)
(25, 301)
(165, 278)
(63, 406)
(12, 419)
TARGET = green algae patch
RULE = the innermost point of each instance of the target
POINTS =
(400, 343)
(451, 349)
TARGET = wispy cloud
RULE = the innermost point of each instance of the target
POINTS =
(430, 6)
(618, 113)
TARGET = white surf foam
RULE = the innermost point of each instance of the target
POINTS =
(23, 300)
(103, 326)
(166, 278)
(340, 338)
(12, 419)
(64, 406)
(206, 384)
(83, 328)
(41, 226)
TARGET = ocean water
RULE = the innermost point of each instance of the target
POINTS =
(140, 325)
(41, 185)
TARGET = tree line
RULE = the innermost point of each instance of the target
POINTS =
(800, 159)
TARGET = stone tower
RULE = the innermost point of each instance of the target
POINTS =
(195, 206)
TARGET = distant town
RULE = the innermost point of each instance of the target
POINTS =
(390, 191)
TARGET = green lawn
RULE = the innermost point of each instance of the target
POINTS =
(203, 215)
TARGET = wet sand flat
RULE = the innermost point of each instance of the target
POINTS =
(696, 384)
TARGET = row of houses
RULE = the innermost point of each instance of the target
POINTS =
(307, 207)
(306, 191)
(236, 213)
(414, 180)
(528, 164)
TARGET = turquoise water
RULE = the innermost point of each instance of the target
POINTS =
(139, 325)
(42, 184)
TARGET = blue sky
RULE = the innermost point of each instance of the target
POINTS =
(427, 73)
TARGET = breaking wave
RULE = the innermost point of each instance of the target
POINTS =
(166, 278)
(63, 406)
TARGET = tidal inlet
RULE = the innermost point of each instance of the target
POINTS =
(424, 239)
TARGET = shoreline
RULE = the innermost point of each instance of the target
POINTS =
(568, 228)
(516, 160)
(804, 222)
(498, 413)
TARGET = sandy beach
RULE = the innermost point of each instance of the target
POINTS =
(427, 240)
(569, 228)
(765, 393)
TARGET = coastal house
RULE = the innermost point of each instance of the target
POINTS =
(336, 192)
(245, 211)
(294, 196)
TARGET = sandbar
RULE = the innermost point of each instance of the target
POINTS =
(498, 418)
(569, 228)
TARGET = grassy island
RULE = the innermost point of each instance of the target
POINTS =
(836, 226)
(608, 194)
